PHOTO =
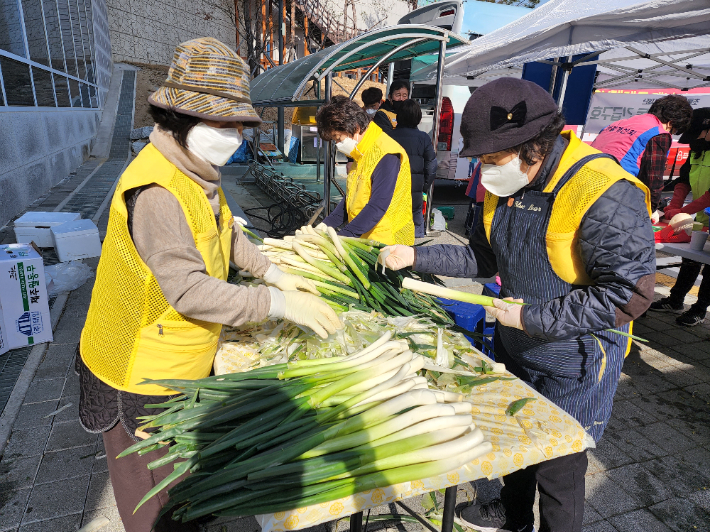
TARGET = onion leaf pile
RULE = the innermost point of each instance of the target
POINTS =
(347, 275)
(291, 435)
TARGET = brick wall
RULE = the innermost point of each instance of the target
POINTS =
(147, 31)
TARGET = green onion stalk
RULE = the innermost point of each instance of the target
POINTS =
(345, 272)
(457, 295)
(290, 435)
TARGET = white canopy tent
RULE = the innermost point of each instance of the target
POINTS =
(659, 43)
(674, 64)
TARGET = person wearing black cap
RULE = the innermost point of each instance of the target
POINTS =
(569, 233)
(695, 178)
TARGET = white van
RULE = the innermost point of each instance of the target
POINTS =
(449, 14)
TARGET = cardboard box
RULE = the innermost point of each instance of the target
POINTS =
(23, 297)
(35, 226)
(76, 240)
(4, 348)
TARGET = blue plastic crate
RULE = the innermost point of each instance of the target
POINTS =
(485, 328)
(469, 316)
(466, 315)
(491, 290)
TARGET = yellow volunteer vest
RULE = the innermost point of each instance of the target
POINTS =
(131, 331)
(396, 226)
(572, 203)
(700, 179)
(392, 116)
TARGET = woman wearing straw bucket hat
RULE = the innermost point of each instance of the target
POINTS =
(161, 294)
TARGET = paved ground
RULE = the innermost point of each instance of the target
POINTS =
(650, 473)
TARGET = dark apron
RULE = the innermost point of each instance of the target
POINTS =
(578, 375)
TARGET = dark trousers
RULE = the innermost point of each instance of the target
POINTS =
(419, 227)
(561, 485)
(131, 480)
(689, 271)
(473, 216)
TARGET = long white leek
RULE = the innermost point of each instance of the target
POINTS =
(431, 425)
(381, 430)
(428, 454)
(384, 395)
(374, 345)
(448, 293)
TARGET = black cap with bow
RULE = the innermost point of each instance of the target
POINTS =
(504, 113)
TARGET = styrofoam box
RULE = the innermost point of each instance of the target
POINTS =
(76, 240)
(36, 226)
(23, 297)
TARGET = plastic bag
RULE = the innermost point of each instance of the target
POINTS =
(242, 155)
(66, 276)
(439, 223)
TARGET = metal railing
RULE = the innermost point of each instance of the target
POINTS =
(284, 190)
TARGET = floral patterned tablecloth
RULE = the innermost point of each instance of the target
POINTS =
(538, 432)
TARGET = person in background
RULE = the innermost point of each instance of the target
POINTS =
(386, 115)
(161, 294)
(570, 234)
(422, 157)
(378, 202)
(695, 177)
(371, 100)
(641, 143)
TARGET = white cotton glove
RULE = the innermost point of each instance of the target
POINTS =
(286, 281)
(655, 217)
(396, 257)
(508, 314)
(304, 309)
(240, 221)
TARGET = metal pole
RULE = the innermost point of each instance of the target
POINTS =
(435, 132)
(447, 520)
(318, 141)
(381, 60)
(390, 78)
(356, 522)
(280, 110)
(563, 88)
(329, 159)
(553, 76)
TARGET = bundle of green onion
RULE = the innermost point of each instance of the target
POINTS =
(291, 435)
(346, 273)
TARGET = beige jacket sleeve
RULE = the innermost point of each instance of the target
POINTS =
(164, 242)
(247, 256)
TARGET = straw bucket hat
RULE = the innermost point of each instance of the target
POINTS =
(207, 79)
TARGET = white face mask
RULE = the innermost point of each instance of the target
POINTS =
(370, 111)
(346, 146)
(212, 144)
(504, 180)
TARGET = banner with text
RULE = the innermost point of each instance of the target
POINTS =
(608, 107)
